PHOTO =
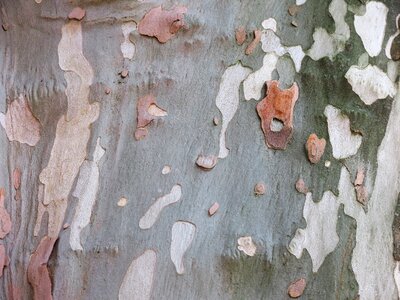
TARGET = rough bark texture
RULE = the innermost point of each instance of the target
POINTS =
(207, 234)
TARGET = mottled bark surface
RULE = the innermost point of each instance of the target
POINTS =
(82, 81)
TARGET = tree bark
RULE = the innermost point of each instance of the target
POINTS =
(199, 150)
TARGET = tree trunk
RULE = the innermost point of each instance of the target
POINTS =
(199, 150)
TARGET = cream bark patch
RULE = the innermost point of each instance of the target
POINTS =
(182, 236)
(86, 191)
(329, 45)
(370, 83)
(319, 237)
(227, 100)
(127, 46)
(371, 27)
(344, 142)
(72, 133)
(151, 216)
(138, 280)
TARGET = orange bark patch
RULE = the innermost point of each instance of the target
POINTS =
(162, 24)
(147, 111)
(5, 220)
(38, 274)
(17, 178)
(277, 106)
(257, 37)
(240, 35)
(315, 148)
(296, 288)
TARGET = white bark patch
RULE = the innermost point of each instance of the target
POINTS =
(371, 27)
(127, 46)
(374, 230)
(344, 142)
(19, 123)
(86, 191)
(151, 216)
(166, 170)
(253, 84)
(272, 43)
(396, 275)
(246, 245)
(138, 280)
(370, 83)
(72, 133)
(391, 38)
(319, 237)
(269, 24)
(300, 2)
(329, 45)
(227, 100)
(182, 236)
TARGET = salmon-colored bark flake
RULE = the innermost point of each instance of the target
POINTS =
(206, 162)
(259, 189)
(296, 289)
(17, 178)
(252, 46)
(240, 35)
(77, 14)
(19, 122)
(361, 191)
(38, 274)
(5, 220)
(213, 209)
(147, 111)
(3, 259)
(315, 148)
(162, 24)
(301, 186)
(277, 106)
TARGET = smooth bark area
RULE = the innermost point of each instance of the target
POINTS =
(199, 149)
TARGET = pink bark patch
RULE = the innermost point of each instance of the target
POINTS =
(147, 111)
(38, 274)
(296, 288)
(277, 106)
(315, 148)
(3, 259)
(5, 220)
(162, 24)
(252, 46)
(301, 186)
(20, 124)
(213, 209)
(17, 178)
(240, 35)
(77, 14)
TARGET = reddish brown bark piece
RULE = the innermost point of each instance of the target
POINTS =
(278, 105)
(162, 24)
(146, 116)
(17, 178)
(315, 148)
(206, 162)
(259, 189)
(5, 220)
(3, 259)
(257, 37)
(38, 274)
(296, 288)
(77, 14)
(213, 209)
(361, 191)
(240, 35)
(301, 186)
